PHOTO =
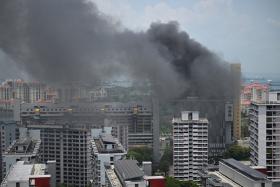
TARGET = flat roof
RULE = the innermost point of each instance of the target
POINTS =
(20, 172)
(28, 147)
(246, 170)
(179, 120)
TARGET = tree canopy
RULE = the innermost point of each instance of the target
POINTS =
(237, 152)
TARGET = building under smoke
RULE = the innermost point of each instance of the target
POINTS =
(219, 113)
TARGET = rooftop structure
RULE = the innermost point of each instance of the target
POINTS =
(128, 170)
(24, 150)
(24, 146)
(232, 173)
(127, 173)
(245, 170)
(25, 175)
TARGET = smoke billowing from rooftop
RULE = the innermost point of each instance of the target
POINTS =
(70, 40)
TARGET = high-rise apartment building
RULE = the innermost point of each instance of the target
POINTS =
(68, 145)
(236, 74)
(190, 145)
(265, 135)
(28, 92)
(219, 113)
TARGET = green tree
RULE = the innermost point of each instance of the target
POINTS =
(166, 159)
(172, 182)
(237, 152)
(140, 153)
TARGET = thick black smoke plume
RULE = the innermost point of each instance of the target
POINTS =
(70, 40)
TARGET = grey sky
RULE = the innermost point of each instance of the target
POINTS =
(240, 31)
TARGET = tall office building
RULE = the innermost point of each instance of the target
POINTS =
(190, 145)
(236, 74)
(265, 135)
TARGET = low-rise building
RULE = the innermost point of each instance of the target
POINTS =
(20, 150)
(127, 173)
(23, 174)
(232, 173)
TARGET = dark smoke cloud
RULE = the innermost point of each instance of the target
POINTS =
(61, 41)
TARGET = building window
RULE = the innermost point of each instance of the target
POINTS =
(17, 184)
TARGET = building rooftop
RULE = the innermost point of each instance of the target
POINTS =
(114, 180)
(23, 146)
(106, 143)
(217, 178)
(246, 170)
(128, 169)
(179, 120)
(21, 171)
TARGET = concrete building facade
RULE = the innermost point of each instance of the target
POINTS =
(190, 145)
(265, 135)
(104, 150)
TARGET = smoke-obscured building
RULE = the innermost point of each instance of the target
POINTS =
(133, 123)
(236, 72)
(190, 145)
(265, 135)
(28, 92)
(219, 113)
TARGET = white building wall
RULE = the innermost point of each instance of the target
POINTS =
(105, 158)
(262, 136)
(133, 184)
(21, 183)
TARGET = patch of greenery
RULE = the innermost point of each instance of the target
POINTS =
(166, 160)
(172, 182)
(140, 153)
(238, 153)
